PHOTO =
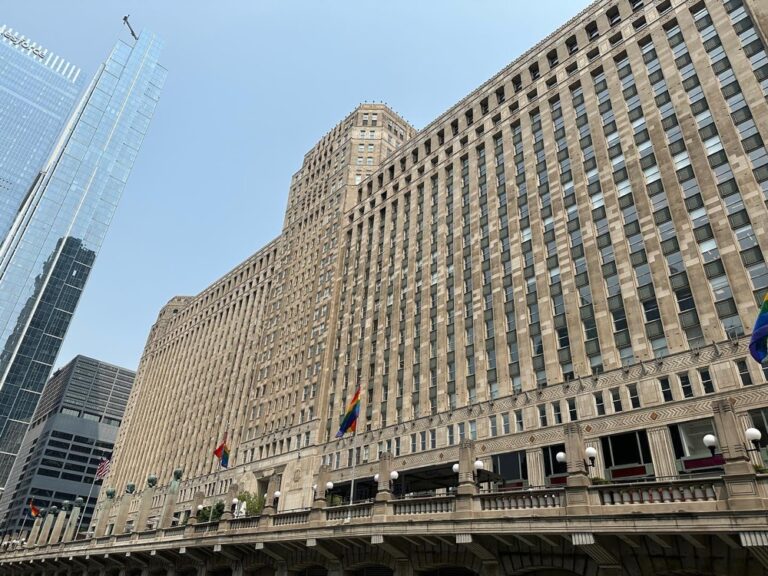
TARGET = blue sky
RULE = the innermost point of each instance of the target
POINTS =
(252, 85)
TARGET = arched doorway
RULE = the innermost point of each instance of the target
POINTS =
(448, 571)
(312, 571)
(373, 570)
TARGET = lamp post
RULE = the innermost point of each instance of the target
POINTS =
(590, 452)
(393, 476)
(235, 508)
(753, 436)
(277, 498)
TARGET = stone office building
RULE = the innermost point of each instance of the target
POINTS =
(571, 257)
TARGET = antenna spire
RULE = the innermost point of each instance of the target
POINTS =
(125, 21)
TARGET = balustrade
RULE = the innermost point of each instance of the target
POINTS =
(440, 505)
(354, 511)
(705, 490)
(290, 518)
(521, 500)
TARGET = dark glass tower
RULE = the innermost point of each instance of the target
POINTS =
(47, 255)
(74, 427)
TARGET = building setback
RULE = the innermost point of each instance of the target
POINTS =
(579, 240)
(74, 427)
(47, 255)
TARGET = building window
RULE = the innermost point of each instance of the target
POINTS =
(450, 438)
(542, 415)
(473, 429)
(634, 398)
(558, 417)
(519, 425)
(616, 399)
(666, 389)
(685, 385)
(706, 381)
(746, 378)
(492, 426)
(599, 403)
(572, 414)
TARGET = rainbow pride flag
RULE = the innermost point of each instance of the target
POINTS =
(350, 417)
(758, 344)
(222, 453)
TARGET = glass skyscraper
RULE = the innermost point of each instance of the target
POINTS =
(47, 255)
(38, 91)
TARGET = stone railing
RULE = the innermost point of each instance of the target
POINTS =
(244, 523)
(291, 518)
(206, 527)
(704, 490)
(522, 499)
(604, 503)
(436, 505)
(363, 510)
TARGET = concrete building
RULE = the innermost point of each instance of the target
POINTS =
(61, 215)
(545, 296)
(74, 427)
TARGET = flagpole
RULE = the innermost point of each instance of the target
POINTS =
(354, 463)
(85, 506)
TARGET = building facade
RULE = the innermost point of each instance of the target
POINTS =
(74, 426)
(46, 257)
(39, 91)
(571, 257)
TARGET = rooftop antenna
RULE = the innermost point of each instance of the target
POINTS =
(125, 20)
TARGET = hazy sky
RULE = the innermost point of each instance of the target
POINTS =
(252, 85)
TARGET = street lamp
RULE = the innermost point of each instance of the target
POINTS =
(455, 468)
(710, 441)
(235, 511)
(753, 436)
(590, 452)
(375, 477)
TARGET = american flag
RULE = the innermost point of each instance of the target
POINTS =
(103, 469)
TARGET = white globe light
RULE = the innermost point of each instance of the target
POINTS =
(199, 507)
(561, 457)
(314, 486)
(235, 501)
(329, 486)
(709, 440)
(375, 477)
(455, 468)
(753, 434)
(394, 475)
(591, 452)
(277, 494)
(479, 465)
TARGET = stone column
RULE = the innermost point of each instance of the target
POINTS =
(323, 476)
(145, 504)
(171, 497)
(574, 450)
(269, 502)
(739, 476)
(662, 452)
(403, 568)
(384, 487)
(74, 520)
(35, 530)
(104, 512)
(535, 460)
(45, 531)
(466, 469)
(576, 493)
(123, 509)
(58, 524)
